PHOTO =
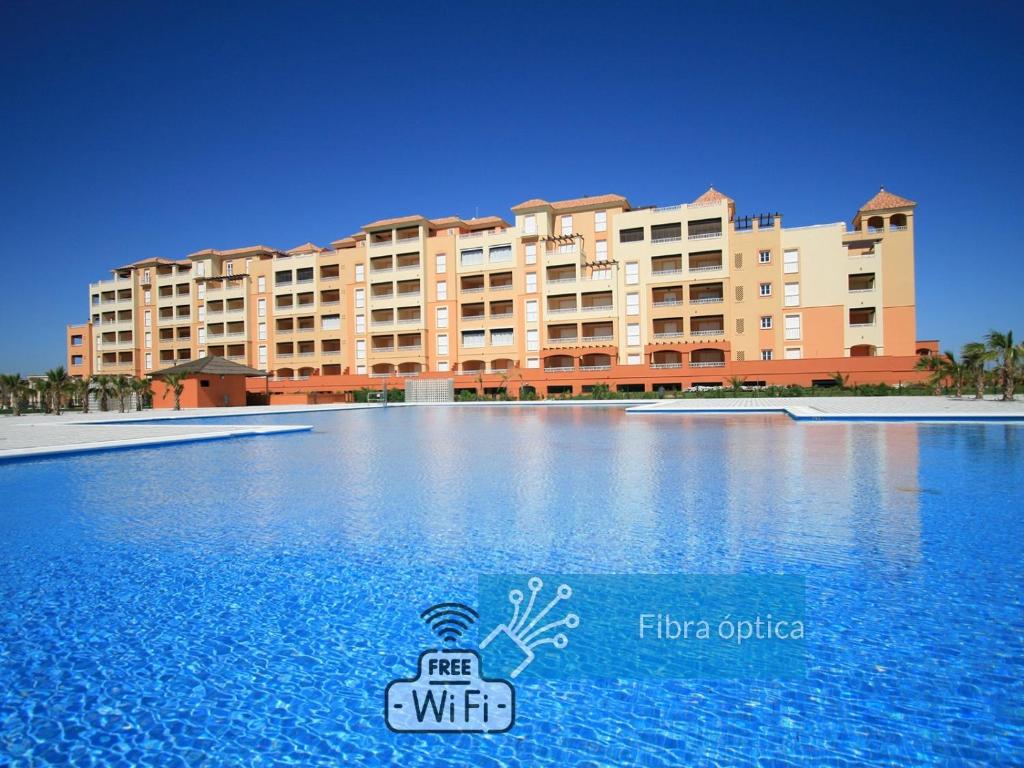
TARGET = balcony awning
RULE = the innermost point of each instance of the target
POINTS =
(211, 365)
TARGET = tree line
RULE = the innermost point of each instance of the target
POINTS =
(996, 363)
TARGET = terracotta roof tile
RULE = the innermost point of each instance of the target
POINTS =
(712, 196)
(305, 248)
(885, 200)
(578, 202)
(394, 222)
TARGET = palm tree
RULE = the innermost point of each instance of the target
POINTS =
(736, 383)
(40, 390)
(104, 390)
(142, 388)
(931, 364)
(953, 369)
(841, 379)
(175, 382)
(79, 389)
(57, 380)
(974, 356)
(1007, 357)
(14, 390)
(122, 390)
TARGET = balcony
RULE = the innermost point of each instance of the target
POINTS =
(861, 283)
(666, 233)
(707, 363)
(381, 242)
(705, 229)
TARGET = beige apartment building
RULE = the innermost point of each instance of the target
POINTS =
(559, 297)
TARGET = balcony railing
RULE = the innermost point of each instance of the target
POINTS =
(666, 365)
(708, 332)
(409, 320)
(410, 347)
(706, 268)
(668, 334)
(707, 364)
(603, 337)
(476, 289)
(595, 368)
(862, 290)
(381, 243)
(382, 349)
(862, 325)
(500, 315)
(557, 280)
(708, 300)
(559, 369)
(504, 287)
(665, 208)
(704, 235)
(670, 271)
(560, 310)
(898, 229)
(667, 303)
(564, 340)
(598, 308)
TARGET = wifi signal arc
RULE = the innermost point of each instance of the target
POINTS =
(449, 621)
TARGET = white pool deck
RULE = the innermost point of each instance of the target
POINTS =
(39, 436)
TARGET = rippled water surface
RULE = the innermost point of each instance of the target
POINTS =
(246, 601)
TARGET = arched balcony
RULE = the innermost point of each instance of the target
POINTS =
(897, 222)
(863, 350)
(382, 370)
(707, 358)
(306, 372)
(409, 369)
(666, 358)
(876, 224)
(284, 373)
(473, 366)
(595, 361)
(501, 365)
(559, 364)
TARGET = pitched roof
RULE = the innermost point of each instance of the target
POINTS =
(712, 196)
(486, 221)
(393, 222)
(212, 366)
(305, 248)
(885, 200)
(232, 251)
(445, 221)
(577, 202)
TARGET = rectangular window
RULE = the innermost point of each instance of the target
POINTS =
(499, 254)
(360, 323)
(261, 284)
(633, 334)
(764, 257)
(200, 291)
(790, 261)
(766, 322)
(202, 313)
(261, 308)
(330, 323)
(531, 282)
(533, 362)
(148, 339)
(632, 273)
(261, 331)
(792, 327)
(793, 353)
(360, 298)
(442, 366)
(601, 250)
(766, 289)
(442, 344)
(231, 268)
(634, 359)
(502, 337)
(147, 319)
(360, 349)
(530, 225)
(632, 303)
(530, 251)
(473, 339)
(441, 263)
(766, 354)
(531, 311)
(360, 272)
(792, 295)
(601, 221)
(202, 335)
(201, 269)
(634, 235)
(145, 277)
(147, 296)
(532, 340)
(77, 359)
(442, 317)
(149, 361)
(442, 290)
(262, 355)
(567, 225)
(471, 257)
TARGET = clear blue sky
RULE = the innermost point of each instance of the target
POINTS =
(144, 129)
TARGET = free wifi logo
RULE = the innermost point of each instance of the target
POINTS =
(449, 621)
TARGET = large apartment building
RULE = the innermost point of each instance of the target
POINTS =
(563, 295)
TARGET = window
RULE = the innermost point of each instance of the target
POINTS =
(360, 272)
(261, 308)
(766, 354)
(361, 349)
(442, 366)
(330, 323)
(632, 303)
(201, 291)
(471, 257)
(532, 340)
(632, 273)
(634, 235)
(633, 334)
(202, 313)
(360, 298)
(148, 339)
(792, 295)
(262, 355)
(261, 331)
(441, 263)
(766, 322)
(147, 296)
(531, 282)
(442, 317)
(601, 254)
(634, 359)
(792, 327)
(145, 277)
(766, 289)
(530, 251)
(793, 353)
(567, 225)
(149, 361)
(601, 221)
(764, 257)
(201, 269)
(472, 339)
(76, 359)
(442, 344)
(442, 290)
(147, 319)
(530, 225)
(261, 284)
(230, 268)
(499, 254)
(790, 261)
(360, 323)
(533, 362)
(531, 311)
(76, 340)
(502, 337)
(202, 335)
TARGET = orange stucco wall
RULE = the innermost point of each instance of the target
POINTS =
(219, 391)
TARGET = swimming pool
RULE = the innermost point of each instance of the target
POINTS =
(248, 598)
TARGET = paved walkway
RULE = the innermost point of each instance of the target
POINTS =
(37, 435)
(894, 408)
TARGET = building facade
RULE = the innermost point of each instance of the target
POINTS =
(559, 297)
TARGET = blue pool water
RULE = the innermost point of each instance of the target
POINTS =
(246, 601)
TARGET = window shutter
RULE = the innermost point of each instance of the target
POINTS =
(738, 260)
(739, 293)
(739, 325)
(741, 356)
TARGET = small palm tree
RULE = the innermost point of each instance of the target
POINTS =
(104, 390)
(954, 370)
(974, 356)
(175, 382)
(842, 380)
(79, 389)
(142, 389)
(57, 380)
(931, 364)
(123, 389)
(15, 389)
(736, 383)
(1007, 357)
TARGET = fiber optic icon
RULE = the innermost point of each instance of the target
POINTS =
(522, 630)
